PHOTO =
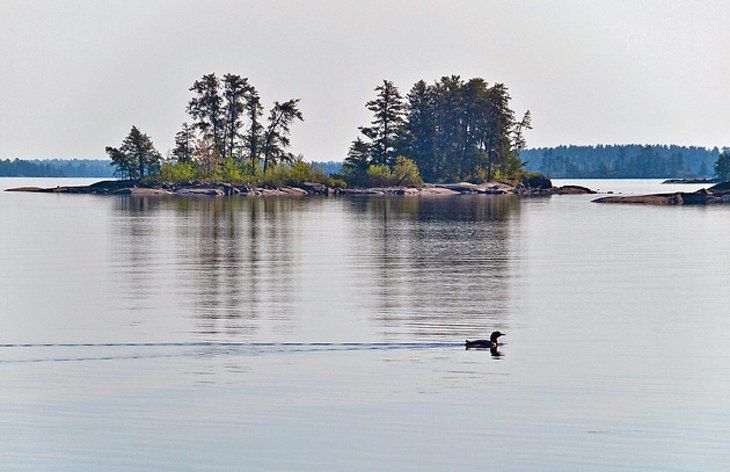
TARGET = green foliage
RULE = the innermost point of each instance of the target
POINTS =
(406, 173)
(241, 173)
(380, 175)
(230, 171)
(512, 165)
(403, 174)
(295, 175)
(179, 172)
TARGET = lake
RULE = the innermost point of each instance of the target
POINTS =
(314, 334)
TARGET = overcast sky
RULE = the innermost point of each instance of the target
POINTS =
(76, 75)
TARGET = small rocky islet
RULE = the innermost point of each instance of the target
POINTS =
(717, 194)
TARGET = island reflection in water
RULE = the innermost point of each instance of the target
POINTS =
(402, 265)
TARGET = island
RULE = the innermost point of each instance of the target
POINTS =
(460, 134)
(147, 188)
(717, 194)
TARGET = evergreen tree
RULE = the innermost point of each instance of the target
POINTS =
(136, 157)
(184, 144)
(235, 91)
(722, 166)
(125, 166)
(420, 128)
(357, 162)
(387, 128)
(138, 146)
(276, 138)
(254, 110)
(519, 142)
(500, 122)
(474, 124)
(207, 109)
(447, 126)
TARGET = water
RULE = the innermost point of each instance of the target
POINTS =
(326, 334)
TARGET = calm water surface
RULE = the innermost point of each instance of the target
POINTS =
(326, 334)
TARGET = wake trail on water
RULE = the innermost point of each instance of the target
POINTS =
(54, 352)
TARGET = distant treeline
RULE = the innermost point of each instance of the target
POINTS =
(56, 168)
(622, 161)
(328, 167)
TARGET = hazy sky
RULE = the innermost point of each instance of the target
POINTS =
(75, 75)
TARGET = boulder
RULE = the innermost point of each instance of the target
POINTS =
(406, 191)
(461, 187)
(361, 191)
(294, 191)
(430, 190)
(537, 181)
(199, 192)
(270, 192)
(141, 192)
(315, 188)
(571, 190)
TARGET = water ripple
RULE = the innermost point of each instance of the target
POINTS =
(210, 349)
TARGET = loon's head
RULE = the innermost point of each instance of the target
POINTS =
(495, 335)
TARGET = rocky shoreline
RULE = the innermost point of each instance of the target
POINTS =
(717, 194)
(208, 189)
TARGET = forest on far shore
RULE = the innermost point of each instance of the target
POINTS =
(56, 168)
(627, 161)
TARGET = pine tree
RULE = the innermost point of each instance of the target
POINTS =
(138, 146)
(722, 166)
(420, 128)
(447, 126)
(184, 144)
(388, 125)
(499, 124)
(136, 157)
(206, 108)
(276, 138)
(125, 167)
(357, 162)
(253, 137)
(235, 91)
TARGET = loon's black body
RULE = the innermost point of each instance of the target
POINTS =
(485, 343)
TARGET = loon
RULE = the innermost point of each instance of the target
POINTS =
(483, 343)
